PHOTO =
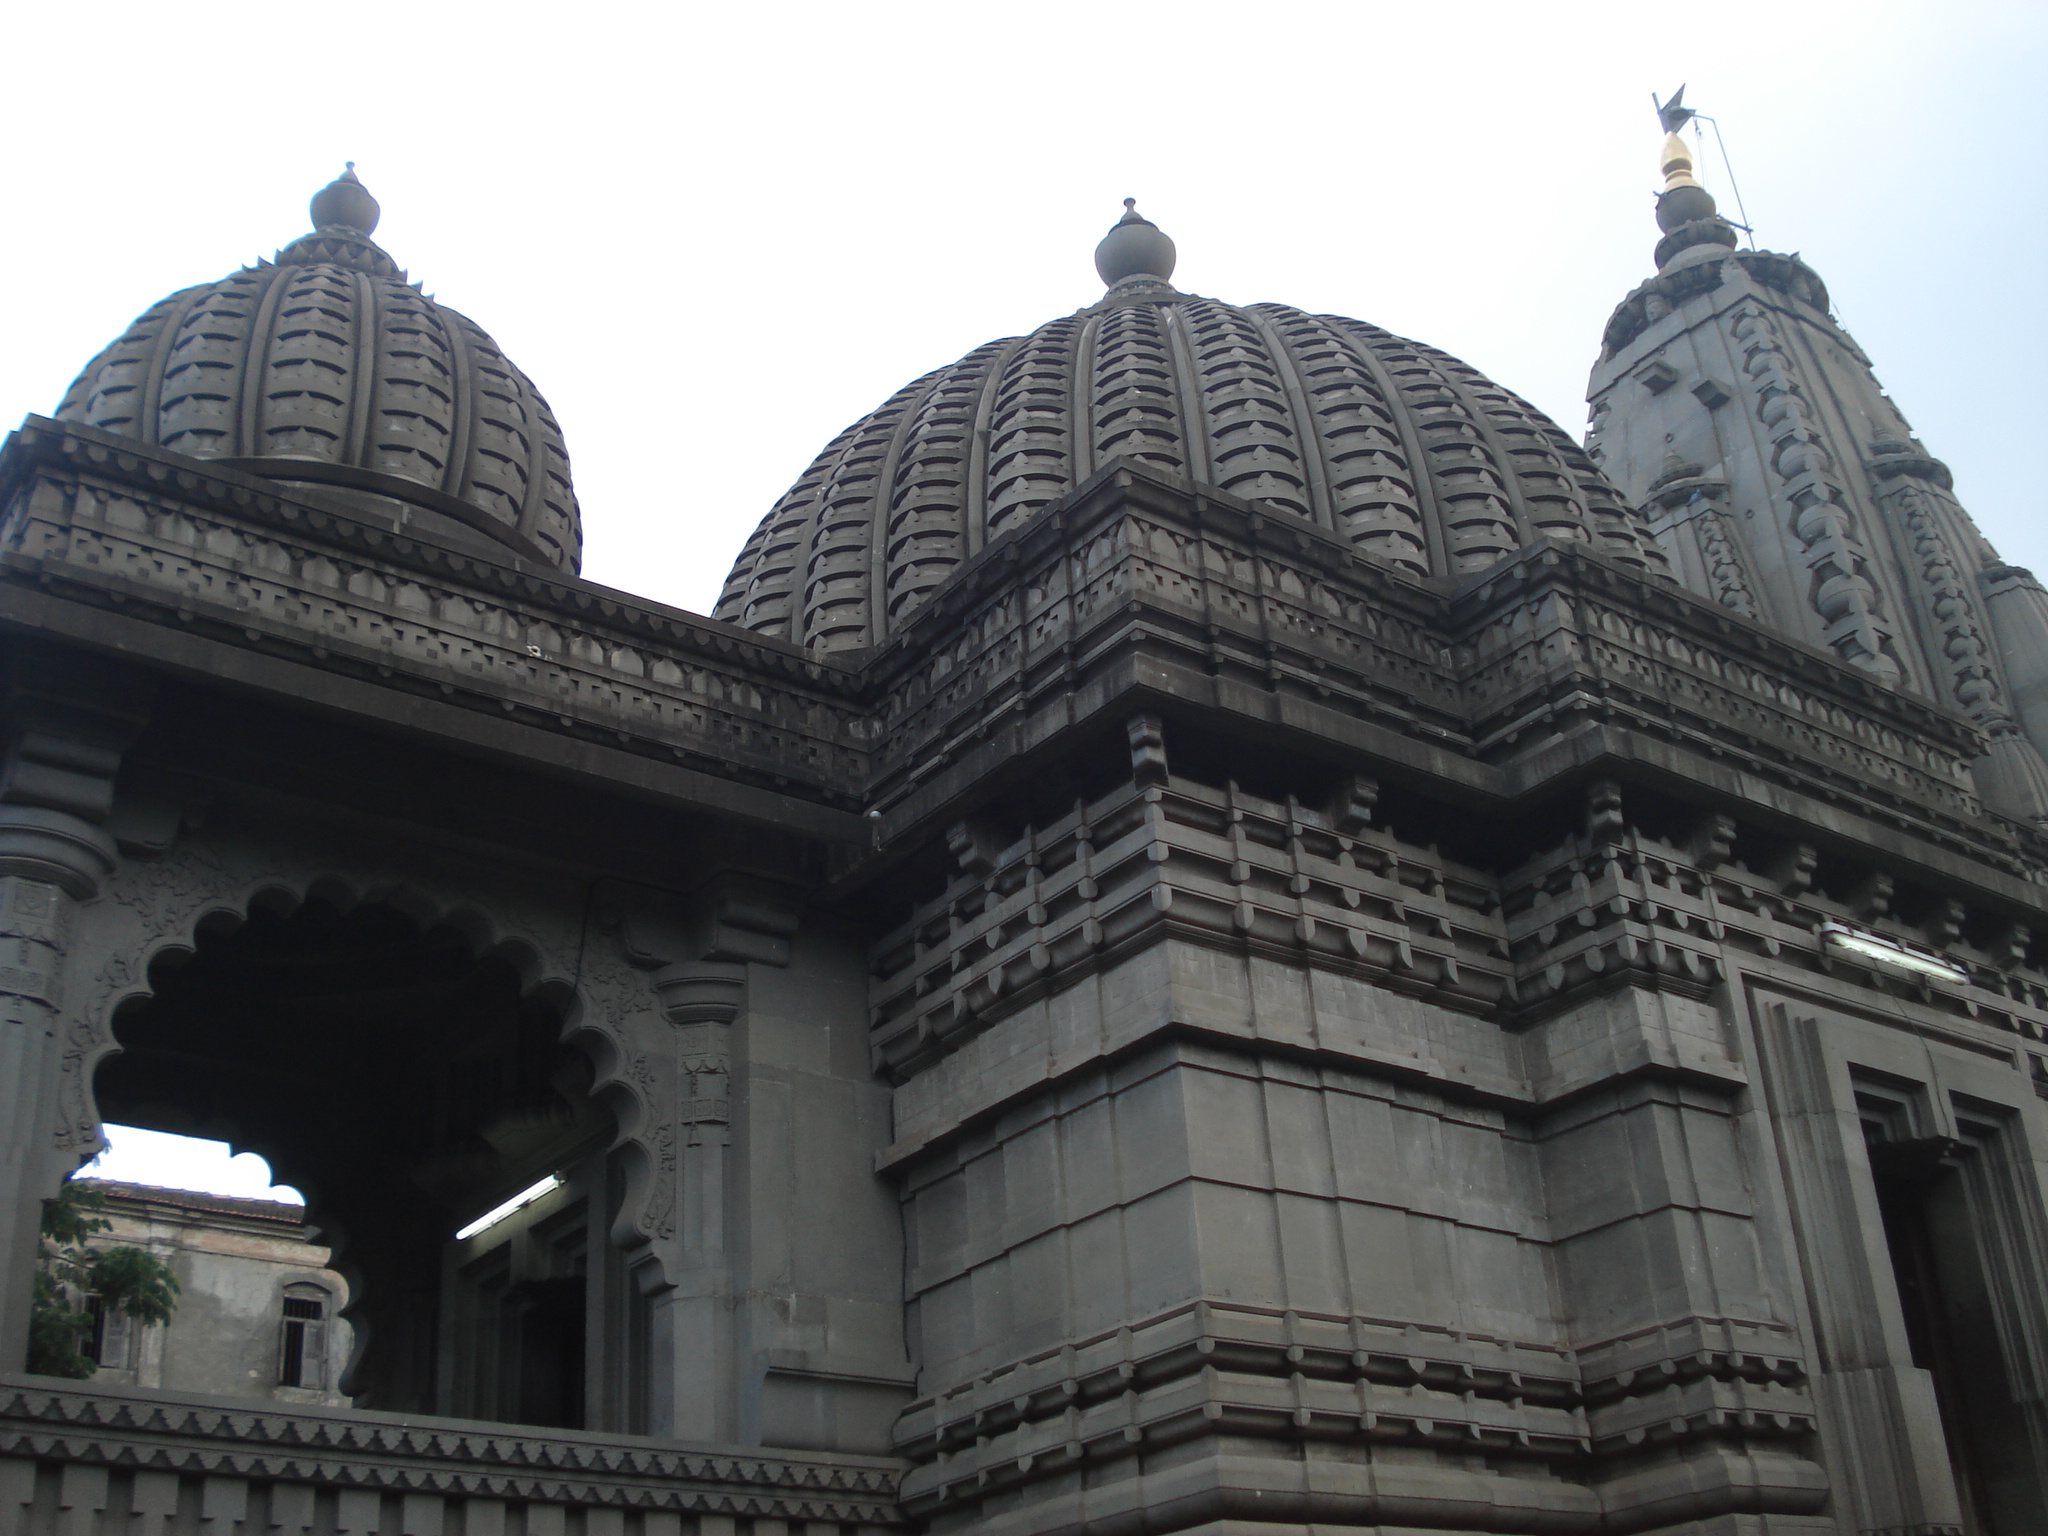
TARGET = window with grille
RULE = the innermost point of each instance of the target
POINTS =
(302, 1353)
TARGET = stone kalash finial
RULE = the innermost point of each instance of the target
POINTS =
(1685, 209)
(344, 216)
(1135, 247)
(345, 203)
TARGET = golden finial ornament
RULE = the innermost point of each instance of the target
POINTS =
(1675, 161)
(1685, 209)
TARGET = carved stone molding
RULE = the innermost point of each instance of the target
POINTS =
(1260, 1375)
(1324, 888)
(353, 1449)
(199, 550)
(1851, 611)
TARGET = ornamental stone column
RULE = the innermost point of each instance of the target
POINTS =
(689, 1314)
(767, 1254)
(68, 721)
(681, 1253)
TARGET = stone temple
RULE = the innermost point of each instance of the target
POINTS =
(1226, 932)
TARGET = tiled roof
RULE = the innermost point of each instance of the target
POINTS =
(195, 1200)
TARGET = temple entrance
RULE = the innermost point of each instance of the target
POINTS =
(1932, 1230)
(415, 1088)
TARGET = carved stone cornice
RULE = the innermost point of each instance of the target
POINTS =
(1889, 460)
(1684, 484)
(55, 847)
(144, 540)
(353, 1448)
(1222, 869)
(1137, 583)
(205, 485)
(1265, 1378)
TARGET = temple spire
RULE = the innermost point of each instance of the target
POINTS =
(1134, 247)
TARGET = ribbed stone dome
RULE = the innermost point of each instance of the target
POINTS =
(326, 366)
(1419, 460)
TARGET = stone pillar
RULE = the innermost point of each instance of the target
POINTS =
(766, 1254)
(689, 1312)
(64, 746)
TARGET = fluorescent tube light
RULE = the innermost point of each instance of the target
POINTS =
(1871, 946)
(524, 1198)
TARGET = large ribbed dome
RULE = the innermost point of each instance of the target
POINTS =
(1418, 459)
(327, 367)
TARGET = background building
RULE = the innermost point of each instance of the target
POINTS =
(258, 1309)
(1226, 932)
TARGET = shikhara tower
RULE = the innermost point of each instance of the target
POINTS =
(1225, 933)
(1787, 485)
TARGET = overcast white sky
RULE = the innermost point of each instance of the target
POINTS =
(715, 234)
(164, 1161)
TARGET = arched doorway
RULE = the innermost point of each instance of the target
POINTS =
(409, 1077)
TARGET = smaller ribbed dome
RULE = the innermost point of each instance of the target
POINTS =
(326, 366)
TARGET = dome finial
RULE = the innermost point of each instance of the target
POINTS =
(1686, 211)
(1134, 247)
(1683, 199)
(1675, 161)
(345, 203)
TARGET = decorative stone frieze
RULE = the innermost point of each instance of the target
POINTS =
(372, 1474)
(206, 551)
(1186, 862)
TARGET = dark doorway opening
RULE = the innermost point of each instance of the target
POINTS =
(1945, 1300)
(551, 1325)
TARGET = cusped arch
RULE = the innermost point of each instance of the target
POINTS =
(608, 1009)
(596, 1005)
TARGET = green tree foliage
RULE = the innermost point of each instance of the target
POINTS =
(67, 1269)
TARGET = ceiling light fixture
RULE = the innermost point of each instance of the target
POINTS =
(524, 1198)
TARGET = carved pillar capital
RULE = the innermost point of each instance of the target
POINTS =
(68, 719)
(56, 848)
(701, 991)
